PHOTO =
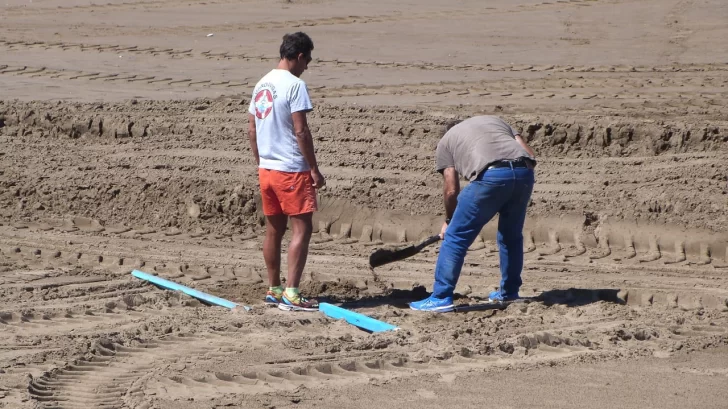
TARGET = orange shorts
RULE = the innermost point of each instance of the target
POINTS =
(289, 193)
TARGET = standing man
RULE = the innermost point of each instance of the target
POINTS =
(499, 165)
(287, 169)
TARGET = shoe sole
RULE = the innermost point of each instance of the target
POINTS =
(270, 300)
(494, 301)
(448, 308)
(286, 307)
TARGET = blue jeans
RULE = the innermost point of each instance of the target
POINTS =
(505, 191)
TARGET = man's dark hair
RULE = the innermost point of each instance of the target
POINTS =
(450, 124)
(294, 44)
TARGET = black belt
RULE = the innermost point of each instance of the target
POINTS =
(518, 163)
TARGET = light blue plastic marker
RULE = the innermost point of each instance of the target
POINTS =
(169, 285)
(354, 318)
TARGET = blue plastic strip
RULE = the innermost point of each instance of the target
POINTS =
(354, 318)
(189, 291)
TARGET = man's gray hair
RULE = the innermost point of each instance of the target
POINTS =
(451, 123)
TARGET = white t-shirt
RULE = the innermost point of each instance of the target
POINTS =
(275, 97)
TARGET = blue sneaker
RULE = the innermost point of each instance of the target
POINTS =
(273, 298)
(433, 304)
(497, 296)
(297, 303)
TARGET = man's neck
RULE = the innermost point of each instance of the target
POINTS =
(284, 64)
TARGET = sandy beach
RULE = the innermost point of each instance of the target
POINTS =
(123, 146)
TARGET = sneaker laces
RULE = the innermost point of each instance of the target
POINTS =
(298, 299)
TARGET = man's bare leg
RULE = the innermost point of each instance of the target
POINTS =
(274, 231)
(298, 249)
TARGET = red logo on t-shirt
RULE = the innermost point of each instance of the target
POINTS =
(263, 103)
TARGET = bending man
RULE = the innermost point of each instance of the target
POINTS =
(499, 165)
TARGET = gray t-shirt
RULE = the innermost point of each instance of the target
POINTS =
(477, 142)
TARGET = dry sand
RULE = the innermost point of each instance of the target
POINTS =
(122, 135)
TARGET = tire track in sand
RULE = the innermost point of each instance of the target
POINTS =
(121, 6)
(140, 79)
(389, 17)
(12, 45)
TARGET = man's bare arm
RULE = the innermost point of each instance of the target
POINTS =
(450, 191)
(305, 144)
(253, 137)
(525, 146)
(304, 138)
